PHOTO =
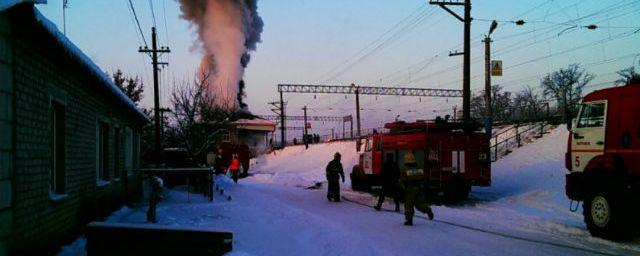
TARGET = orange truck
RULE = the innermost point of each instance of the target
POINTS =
(603, 161)
(454, 159)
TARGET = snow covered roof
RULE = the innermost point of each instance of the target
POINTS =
(6, 4)
(255, 124)
(75, 53)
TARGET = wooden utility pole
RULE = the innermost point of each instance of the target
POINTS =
(283, 138)
(488, 118)
(305, 132)
(466, 72)
(153, 53)
(357, 109)
(488, 122)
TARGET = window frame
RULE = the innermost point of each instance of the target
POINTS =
(585, 120)
(102, 153)
(57, 168)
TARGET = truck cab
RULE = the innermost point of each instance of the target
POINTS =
(602, 155)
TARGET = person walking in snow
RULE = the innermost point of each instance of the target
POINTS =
(390, 175)
(334, 173)
(412, 179)
(234, 168)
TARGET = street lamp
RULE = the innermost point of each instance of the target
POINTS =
(488, 120)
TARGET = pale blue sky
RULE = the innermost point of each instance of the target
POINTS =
(303, 39)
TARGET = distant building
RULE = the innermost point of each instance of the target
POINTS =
(69, 137)
(254, 133)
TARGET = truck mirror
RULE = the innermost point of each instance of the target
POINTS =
(358, 145)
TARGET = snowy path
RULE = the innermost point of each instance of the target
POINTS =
(524, 212)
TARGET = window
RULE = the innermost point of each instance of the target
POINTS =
(367, 146)
(57, 169)
(129, 148)
(102, 152)
(116, 153)
(592, 115)
(226, 136)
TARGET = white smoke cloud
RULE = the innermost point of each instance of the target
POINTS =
(227, 30)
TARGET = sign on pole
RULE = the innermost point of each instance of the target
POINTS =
(496, 68)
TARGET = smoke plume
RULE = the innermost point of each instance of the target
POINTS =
(228, 30)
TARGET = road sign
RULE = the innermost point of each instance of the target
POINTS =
(496, 68)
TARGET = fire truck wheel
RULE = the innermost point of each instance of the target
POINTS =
(356, 182)
(457, 192)
(606, 216)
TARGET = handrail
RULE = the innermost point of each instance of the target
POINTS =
(494, 148)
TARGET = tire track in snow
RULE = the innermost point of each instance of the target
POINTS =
(514, 237)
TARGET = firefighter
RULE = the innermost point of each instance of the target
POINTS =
(390, 174)
(234, 168)
(334, 173)
(412, 179)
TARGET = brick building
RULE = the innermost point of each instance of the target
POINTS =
(69, 137)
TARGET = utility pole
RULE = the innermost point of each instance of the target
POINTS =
(283, 138)
(488, 119)
(466, 72)
(153, 53)
(357, 90)
(65, 5)
(305, 132)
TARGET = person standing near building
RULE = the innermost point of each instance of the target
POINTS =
(234, 168)
(334, 172)
(390, 175)
(412, 179)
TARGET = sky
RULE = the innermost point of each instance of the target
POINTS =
(401, 43)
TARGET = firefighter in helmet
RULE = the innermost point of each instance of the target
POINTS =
(234, 168)
(412, 179)
(334, 173)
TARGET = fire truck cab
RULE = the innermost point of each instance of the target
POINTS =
(453, 159)
(603, 161)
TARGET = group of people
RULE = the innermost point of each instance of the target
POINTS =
(408, 178)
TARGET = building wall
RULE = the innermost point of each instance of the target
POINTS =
(6, 134)
(43, 72)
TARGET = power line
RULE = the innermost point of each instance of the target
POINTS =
(381, 37)
(153, 14)
(408, 27)
(133, 10)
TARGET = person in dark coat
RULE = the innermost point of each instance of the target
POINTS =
(390, 186)
(334, 173)
(219, 165)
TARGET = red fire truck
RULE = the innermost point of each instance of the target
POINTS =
(603, 160)
(453, 159)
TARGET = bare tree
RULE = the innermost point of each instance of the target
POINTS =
(628, 76)
(196, 119)
(527, 103)
(502, 103)
(566, 86)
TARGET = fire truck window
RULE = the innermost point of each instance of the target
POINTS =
(592, 115)
(418, 154)
(367, 146)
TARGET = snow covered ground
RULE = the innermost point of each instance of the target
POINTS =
(524, 212)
